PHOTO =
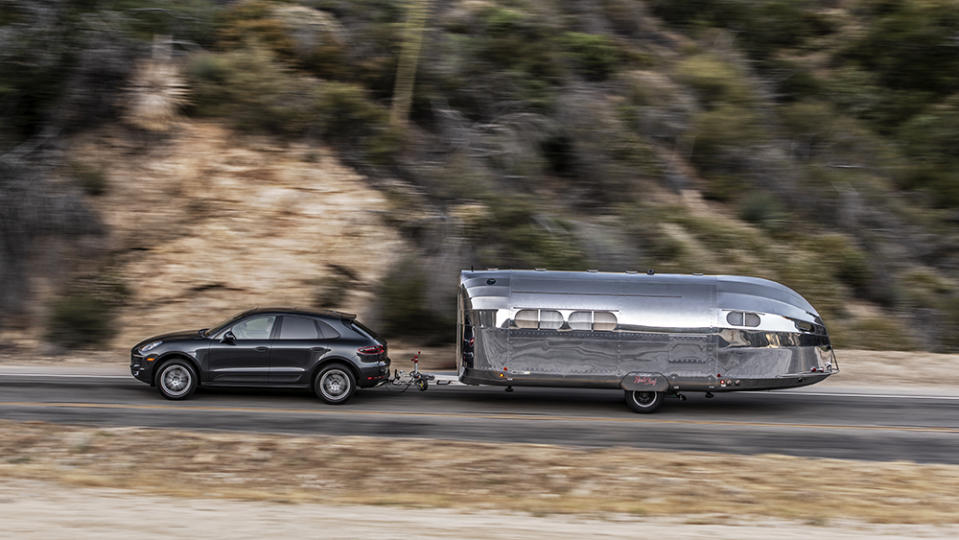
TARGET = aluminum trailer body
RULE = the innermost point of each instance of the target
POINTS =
(661, 333)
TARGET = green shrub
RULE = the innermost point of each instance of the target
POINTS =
(78, 320)
(764, 209)
(513, 40)
(92, 179)
(844, 261)
(930, 140)
(721, 138)
(716, 82)
(83, 314)
(595, 56)
(910, 45)
(950, 313)
(405, 308)
(873, 333)
(805, 274)
(250, 89)
(252, 23)
(529, 245)
(184, 20)
(308, 38)
(344, 114)
(760, 26)
(925, 288)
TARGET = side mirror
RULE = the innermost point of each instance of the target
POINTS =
(229, 337)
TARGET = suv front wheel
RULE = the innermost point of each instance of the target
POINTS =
(176, 379)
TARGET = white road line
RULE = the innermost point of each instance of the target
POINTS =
(847, 394)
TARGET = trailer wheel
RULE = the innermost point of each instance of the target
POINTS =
(644, 401)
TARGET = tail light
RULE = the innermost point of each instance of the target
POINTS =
(372, 350)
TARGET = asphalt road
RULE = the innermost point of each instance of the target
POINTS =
(816, 421)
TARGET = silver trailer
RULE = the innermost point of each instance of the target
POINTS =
(649, 334)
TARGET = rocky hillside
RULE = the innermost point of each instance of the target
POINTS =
(207, 222)
(219, 154)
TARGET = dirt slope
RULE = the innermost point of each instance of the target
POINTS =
(209, 222)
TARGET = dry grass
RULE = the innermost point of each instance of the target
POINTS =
(540, 479)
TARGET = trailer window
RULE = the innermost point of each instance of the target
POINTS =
(604, 321)
(526, 318)
(581, 320)
(742, 318)
(544, 319)
(550, 319)
(592, 320)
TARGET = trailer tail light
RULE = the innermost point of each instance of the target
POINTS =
(372, 350)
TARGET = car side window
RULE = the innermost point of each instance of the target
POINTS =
(256, 327)
(326, 331)
(294, 327)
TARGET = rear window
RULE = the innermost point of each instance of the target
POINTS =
(362, 328)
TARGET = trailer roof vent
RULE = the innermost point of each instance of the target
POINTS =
(650, 272)
(592, 270)
(540, 269)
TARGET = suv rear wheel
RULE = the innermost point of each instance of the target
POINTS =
(334, 384)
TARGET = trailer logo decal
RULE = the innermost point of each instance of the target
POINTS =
(647, 381)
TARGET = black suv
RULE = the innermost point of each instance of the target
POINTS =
(327, 351)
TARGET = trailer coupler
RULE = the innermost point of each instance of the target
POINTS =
(414, 377)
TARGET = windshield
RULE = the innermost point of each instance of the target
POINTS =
(217, 328)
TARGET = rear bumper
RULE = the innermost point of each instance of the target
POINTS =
(373, 374)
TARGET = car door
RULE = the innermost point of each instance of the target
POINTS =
(244, 360)
(299, 344)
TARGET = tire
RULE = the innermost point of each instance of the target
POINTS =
(176, 379)
(334, 384)
(644, 402)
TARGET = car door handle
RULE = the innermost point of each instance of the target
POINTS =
(261, 349)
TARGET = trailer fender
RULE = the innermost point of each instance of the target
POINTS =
(647, 382)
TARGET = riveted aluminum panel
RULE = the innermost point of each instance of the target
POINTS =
(673, 325)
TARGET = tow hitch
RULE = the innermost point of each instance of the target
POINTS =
(414, 377)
